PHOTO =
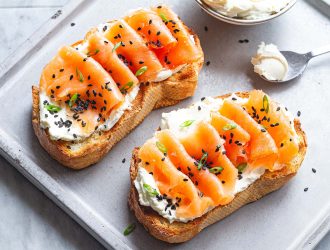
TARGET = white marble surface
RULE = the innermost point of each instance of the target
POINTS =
(29, 220)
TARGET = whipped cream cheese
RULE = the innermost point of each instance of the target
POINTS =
(270, 63)
(248, 9)
(73, 133)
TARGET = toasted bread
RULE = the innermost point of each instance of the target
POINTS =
(151, 96)
(177, 232)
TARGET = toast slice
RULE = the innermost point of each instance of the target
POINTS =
(177, 232)
(78, 155)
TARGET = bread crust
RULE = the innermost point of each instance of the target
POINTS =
(177, 232)
(151, 96)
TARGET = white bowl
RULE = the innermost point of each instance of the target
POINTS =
(237, 21)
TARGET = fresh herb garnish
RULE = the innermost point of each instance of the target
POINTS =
(229, 126)
(73, 100)
(241, 167)
(130, 228)
(52, 108)
(93, 53)
(162, 15)
(216, 170)
(79, 75)
(265, 103)
(141, 70)
(202, 160)
(124, 89)
(151, 191)
(186, 123)
(161, 147)
(117, 45)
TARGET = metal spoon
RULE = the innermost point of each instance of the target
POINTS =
(297, 63)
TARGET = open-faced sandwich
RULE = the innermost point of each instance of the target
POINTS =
(208, 160)
(97, 90)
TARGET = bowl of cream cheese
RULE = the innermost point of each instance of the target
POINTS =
(245, 12)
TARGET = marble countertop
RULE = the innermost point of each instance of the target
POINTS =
(29, 220)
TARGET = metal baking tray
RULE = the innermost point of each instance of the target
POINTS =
(97, 196)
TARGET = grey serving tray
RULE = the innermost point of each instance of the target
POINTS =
(97, 196)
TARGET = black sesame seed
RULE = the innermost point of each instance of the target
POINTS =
(158, 33)
(306, 189)
(147, 163)
(105, 28)
(298, 113)
(203, 98)
(123, 160)
(61, 70)
(199, 108)
(53, 76)
(150, 21)
(208, 63)
(185, 179)
(314, 170)
(71, 77)
(206, 28)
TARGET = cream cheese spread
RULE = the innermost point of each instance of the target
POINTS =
(248, 9)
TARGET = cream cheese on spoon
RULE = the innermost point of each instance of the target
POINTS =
(270, 63)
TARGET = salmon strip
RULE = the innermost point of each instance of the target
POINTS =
(272, 116)
(172, 183)
(262, 147)
(102, 50)
(151, 28)
(204, 144)
(185, 51)
(70, 73)
(133, 51)
(235, 136)
(205, 181)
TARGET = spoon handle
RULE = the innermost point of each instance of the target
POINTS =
(319, 51)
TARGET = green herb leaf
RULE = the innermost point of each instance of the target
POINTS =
(162, 15)
(216, 170)
(151, 191)
(265, 103)
(52, 108)
(202, 160)
(117, 45)
(73, 100)
(130, 228)
(161, 147)
(241, 167)
(93, 53)
(124, 89)
(79, 75)
(141, 70)
(229, 126)
(186, 123)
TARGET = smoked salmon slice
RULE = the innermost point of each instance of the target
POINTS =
(81, 84)
(205, 145)
(151, 28)
(172, 183)
(262, 147)
(235, 136)
(102, 50)
(203, 179)
(273, 118)
(185, 51)
(133, 51)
